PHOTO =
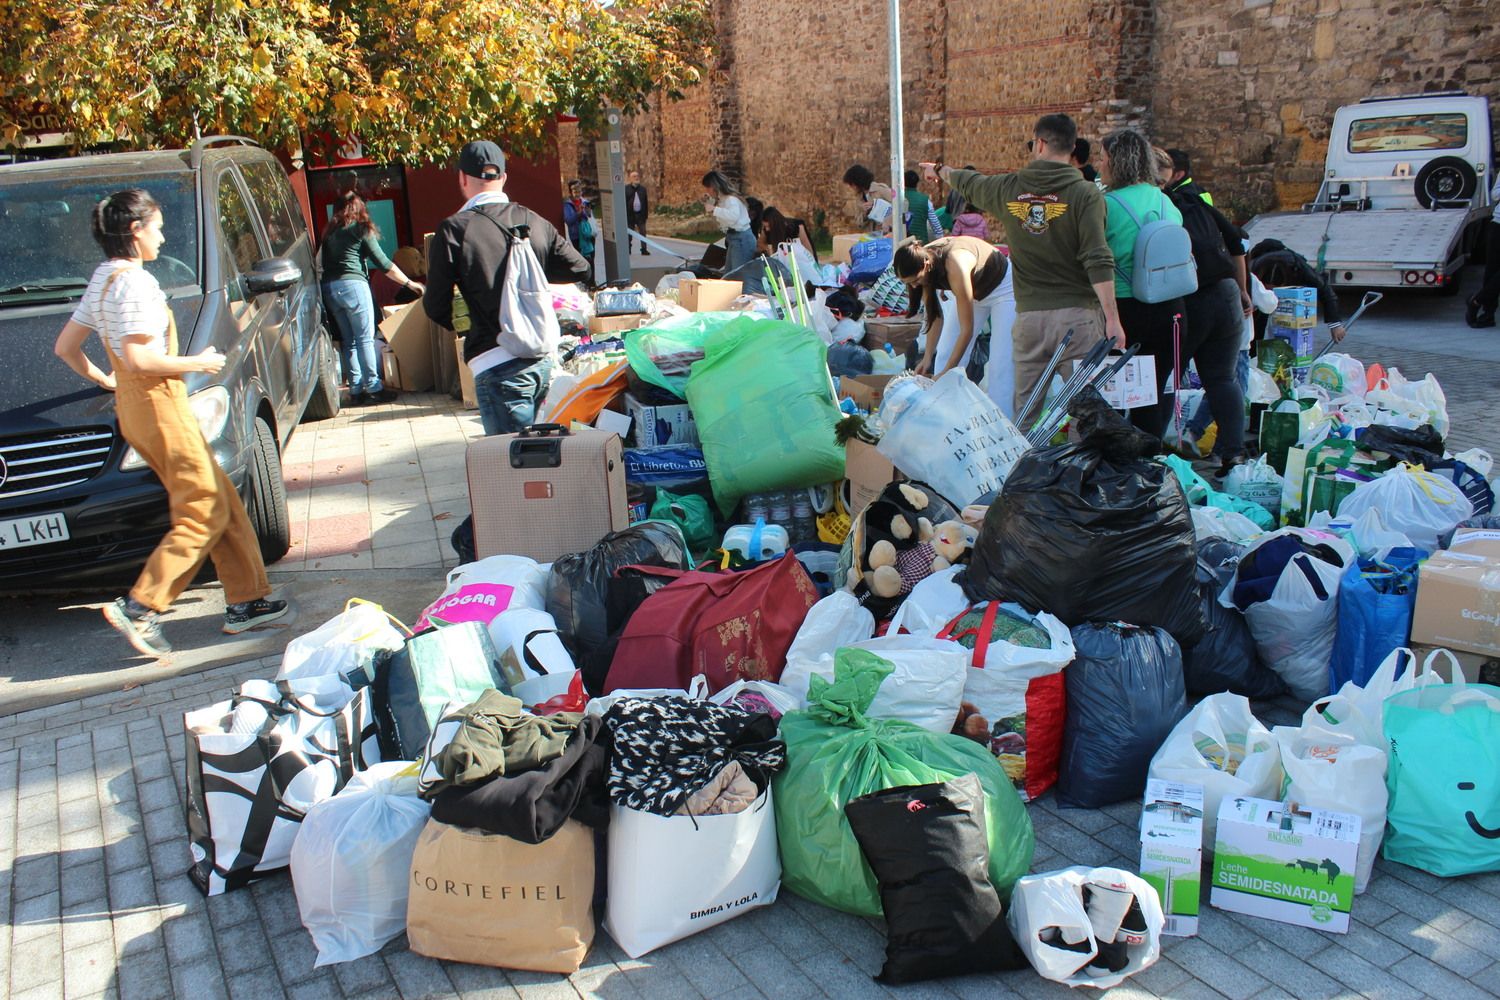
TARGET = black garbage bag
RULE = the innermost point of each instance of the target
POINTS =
(849, 359)
(1125, 694)
(1225, 659)
(1421, 446)
(578, 584)
(927, 846)
(627, 592)
(1092, 532)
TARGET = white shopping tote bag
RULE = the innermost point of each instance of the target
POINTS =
(673, 876)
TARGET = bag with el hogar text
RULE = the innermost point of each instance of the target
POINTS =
(528, 321)
(1162, 265)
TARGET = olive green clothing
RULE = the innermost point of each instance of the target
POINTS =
(497, 737)
(348, 250)
(1054, 227)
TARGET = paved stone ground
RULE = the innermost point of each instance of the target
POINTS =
(93, 846)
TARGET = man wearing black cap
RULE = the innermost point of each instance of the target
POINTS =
(470, 251)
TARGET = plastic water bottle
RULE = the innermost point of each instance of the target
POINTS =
(756, 508)
(804, 527)
(781, 510)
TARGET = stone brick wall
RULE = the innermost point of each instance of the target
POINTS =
(1248, 87)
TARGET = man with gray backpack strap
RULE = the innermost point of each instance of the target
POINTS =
(499, 255)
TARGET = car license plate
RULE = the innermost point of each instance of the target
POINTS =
(39, 529)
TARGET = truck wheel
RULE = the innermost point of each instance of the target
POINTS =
(265, 495)
(1445, 179)
(324, 401)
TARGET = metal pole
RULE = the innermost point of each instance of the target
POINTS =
(898, 137)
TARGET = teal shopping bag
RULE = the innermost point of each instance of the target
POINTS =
(1444, 778)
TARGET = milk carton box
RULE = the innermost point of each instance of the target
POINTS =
(1278, 860)
(1172, 851)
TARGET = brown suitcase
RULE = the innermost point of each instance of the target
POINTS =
(546, 491)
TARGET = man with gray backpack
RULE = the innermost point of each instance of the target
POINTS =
(500, 256)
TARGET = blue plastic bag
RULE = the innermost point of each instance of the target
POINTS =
(1376, 601)
(868, 259)
(675, 466)
(1444, 778)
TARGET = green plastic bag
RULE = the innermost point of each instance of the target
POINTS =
(763, 402)
(665, 352)
(1444, 778)
(691, 514)
(836, 754)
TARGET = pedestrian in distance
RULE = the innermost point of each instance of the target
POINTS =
(350, 246)
(922, 217)
(637, 206)
(470, 253)
(1054, 228)
(1128, 164)
(125, 305)
(876, 200)
(723, 201)
(578, 219)
(978, 277)
(1180, 181)
(1082, 150)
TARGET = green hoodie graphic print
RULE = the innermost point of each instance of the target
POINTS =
(1054, 226)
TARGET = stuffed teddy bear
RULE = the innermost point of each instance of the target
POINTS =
(943, 546)
(898, 521)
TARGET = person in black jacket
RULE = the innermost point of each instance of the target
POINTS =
(1279, 266)
(469, 251)
(637, 205)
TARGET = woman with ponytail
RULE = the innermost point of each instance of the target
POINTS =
(126, 306)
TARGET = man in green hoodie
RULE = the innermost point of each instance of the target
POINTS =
(1054, 225)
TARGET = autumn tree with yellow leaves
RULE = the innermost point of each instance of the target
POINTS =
(411, 78)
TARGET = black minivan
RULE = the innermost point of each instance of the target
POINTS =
(76, 502)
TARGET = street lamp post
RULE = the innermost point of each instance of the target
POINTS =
(898, 157)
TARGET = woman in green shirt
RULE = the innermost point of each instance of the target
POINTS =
(1128, 166)
(351, 243)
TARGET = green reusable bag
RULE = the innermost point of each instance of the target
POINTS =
(1444, 778)
(665, 352)
(835, 754)
(454, 663)
(1280, 428)
(691, 514)
(763, 402)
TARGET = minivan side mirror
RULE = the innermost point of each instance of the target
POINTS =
(274, 274)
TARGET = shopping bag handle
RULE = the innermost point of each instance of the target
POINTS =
(393, 619)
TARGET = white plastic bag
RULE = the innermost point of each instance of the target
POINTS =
(836, 620)
(1294, 629)
(1359, 712)
(758, 696)
(1257, 482)
(351, 862)
(1477, 459)
(1401, 403)
(934, 602)
(1222, 746)
(1213, 522)
(317, 668)
(697, 690)
(1051, 906)
(1262, 387)
(925, 688)
(955, 439)
(530, 649)
(478, 591)
(1340, 374)
(1367, 533)
(1326, 769)
(1420, 505)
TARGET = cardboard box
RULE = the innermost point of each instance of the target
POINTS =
(1476, 541)
(666, 426)
(897, 331)
(867, 473)
(865, 390)
(1296, 308)
(1302, 340)
(1458, 599)
(1172, 851)
(603, 326)
(409, 332)
(1475, 668)
(708, 294)
(1133, 386)
(841, 245)
(1278, 861)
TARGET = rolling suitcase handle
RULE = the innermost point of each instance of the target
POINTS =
(538, 447)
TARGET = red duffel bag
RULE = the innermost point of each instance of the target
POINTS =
(725, 626)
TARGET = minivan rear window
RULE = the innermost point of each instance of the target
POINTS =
(1409, 133)
(50, 251)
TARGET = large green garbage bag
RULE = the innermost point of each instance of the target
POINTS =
(663, 353)
(835, 753)
(691, 513)
(763, 402)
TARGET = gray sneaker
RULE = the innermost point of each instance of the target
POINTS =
(139, 624)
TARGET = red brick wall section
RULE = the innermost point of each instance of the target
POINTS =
(1248, 87)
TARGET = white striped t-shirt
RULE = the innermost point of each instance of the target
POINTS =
(134, 306)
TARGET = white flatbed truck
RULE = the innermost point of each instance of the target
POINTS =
(1405, 194)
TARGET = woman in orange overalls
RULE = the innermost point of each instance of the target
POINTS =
(128, 309)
